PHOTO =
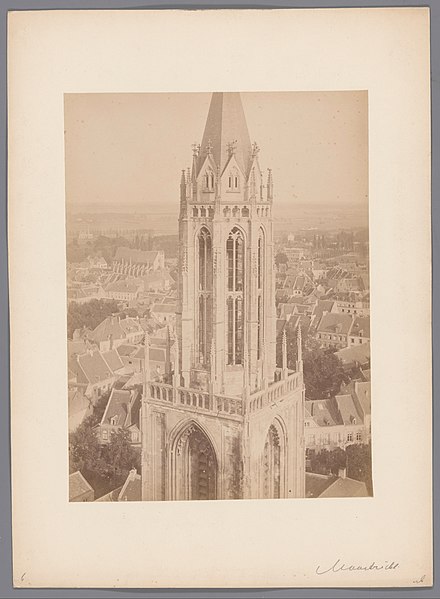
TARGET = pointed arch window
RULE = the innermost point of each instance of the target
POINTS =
(260, 292)
(234, 180)
(235, 288)
(208, 180)
(204, 336)
(272, 464)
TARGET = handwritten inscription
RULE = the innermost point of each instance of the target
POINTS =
(340, 566)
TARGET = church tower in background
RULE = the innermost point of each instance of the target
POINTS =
(230, 425)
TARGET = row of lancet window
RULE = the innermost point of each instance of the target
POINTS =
(236, 211)
(233, 180)
(235, 282)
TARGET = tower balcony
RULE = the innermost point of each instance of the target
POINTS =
(232, 408)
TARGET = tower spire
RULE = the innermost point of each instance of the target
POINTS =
(226, 125)
(284, 352)
(299, 362)
(147, 374)
(269, 184)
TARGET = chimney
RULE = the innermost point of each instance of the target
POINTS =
(342, 472)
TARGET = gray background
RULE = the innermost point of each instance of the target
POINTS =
(6, 589)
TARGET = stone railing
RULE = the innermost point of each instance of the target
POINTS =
(194, 398)
(221, 404)
(274, 392)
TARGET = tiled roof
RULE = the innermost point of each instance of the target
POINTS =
(113, 360)
(130, 325)
(317, 483)
(164, 308)
(354, 353)
(110, 326)
(157, 354)
(136, 256)
(361, 327)
(90, 367)
(348, 410)
(321, 307)
(123, 287)
(345, 487)
(78, 485)
(324, 412)
(112, 496)
(335, 323)
(363, 393)
(126, 349)
(76, 347)
(117, 406)
(132, 488)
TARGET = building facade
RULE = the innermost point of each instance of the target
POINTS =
(230, 425)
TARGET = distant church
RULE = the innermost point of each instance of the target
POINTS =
(230, 425)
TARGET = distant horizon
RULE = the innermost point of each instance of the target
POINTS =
(121, 149)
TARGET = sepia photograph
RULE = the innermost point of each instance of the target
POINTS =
(218, 296)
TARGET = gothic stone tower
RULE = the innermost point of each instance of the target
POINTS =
(230, 425)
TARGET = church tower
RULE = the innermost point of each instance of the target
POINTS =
(231, 424)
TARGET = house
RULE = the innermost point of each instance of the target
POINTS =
(122, 412)
(85, 293)
(133, 261)
(355, 356)
(125, 290)
(156, 280)
(322, 306)
(351, 303)
(79, 488)
(321, 485)
(339, 421)
(132, 329)
(360, 331)
(131, 490)
(164, 313)
(79, 407)
(97, 262)
(114, 331)
(333, 330)
(92, 372)
(161, 358)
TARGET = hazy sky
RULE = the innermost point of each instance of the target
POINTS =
(131, 148)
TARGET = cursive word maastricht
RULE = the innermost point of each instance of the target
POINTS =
(339, 566)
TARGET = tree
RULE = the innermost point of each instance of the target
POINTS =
(105, 466)
(359, 464)
(281, 258)
(120, 455)
(84, 448)
(323, 374)
(89, 314)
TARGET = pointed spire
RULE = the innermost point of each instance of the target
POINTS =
(284, 352)
(299, 361)
(196, 153)
(253, 183)
(168, 354)
(147, 374)
(269, 184)
(176, 376)
(218, 187)
(226, 123)
(212, 360)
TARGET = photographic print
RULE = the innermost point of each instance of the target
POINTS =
(209, 247)
(218, 307)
